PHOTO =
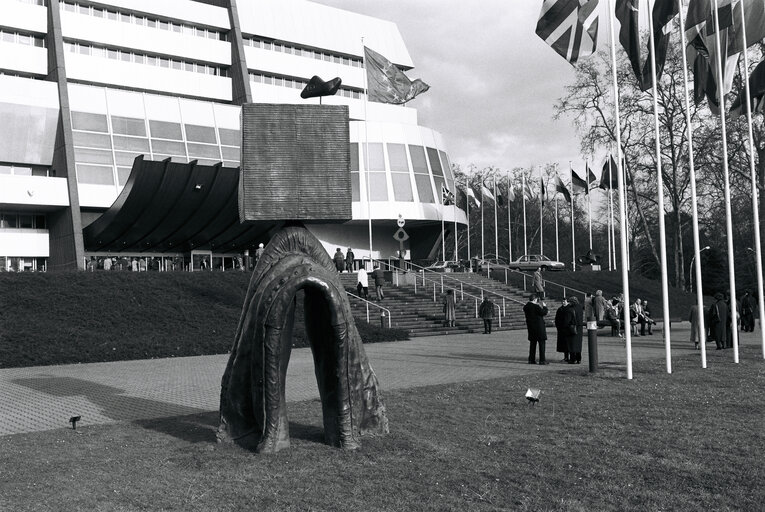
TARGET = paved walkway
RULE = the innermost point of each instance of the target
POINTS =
(45, 397)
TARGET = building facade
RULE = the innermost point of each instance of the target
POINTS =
(86, 87)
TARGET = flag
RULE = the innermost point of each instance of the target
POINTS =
(543, 192)
(472, 196)
(756, 93)
(754, 14)
(561, 187)
(592, 178)
(388, 84)
(485, 191)
(604, 176)
(529, 193)
(500, 196)
(447, 198)
(570, 27)
(510, 193)
(629, 32)
(461, 199)
(578, 183)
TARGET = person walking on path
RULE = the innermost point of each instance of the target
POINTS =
(718, 319)
(693, 318)
(362, 283)
(339, 260)
(450, 308)
(349, 257)
(486, 312)
(564, 324)
(539, 287)
(575, 342)
(379, 276)
(748, 305)
(535, 311)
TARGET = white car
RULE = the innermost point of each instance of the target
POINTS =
(535, 261)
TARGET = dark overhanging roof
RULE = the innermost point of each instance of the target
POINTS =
(175, 207)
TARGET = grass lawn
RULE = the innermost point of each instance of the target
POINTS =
(688, 441)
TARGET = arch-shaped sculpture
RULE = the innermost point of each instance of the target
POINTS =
(253, 410)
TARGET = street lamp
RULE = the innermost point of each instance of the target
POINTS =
(694, 257)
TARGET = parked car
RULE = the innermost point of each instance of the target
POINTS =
(445, 266)
(480, 263)
(535, 261)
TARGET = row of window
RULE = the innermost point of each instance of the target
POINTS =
(302, 51)
(25, 39)
(33, 2)
(29, 264)
(12, 220)
(296, 83)
(144, 21)
(24, 170)
(145, 59)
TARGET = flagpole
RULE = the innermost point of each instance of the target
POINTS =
(454, 214)
(622, 239)
(366, 151)
(753, 172)
(557, 252)
(467, 212)
(608, 228)
(496, 225)
(728, 223)
(525, 243)
(573, 241)
(702, 331)
(541, 225)
(589, 202)
(509, 231)
(443, 229)
(483, 203)
(611, 201)
(660, 197)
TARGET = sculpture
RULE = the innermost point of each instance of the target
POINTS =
(253, 409)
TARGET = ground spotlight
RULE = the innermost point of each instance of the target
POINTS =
(532, 395)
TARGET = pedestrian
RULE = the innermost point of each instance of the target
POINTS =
(450, 308)
(747, 312)
(648, 320)
(259, 252)
(486, 312)
(339, 260)
(638, 317)
(693, 318)
(379, 276)
(718, 319)
(362, 284)
(564, 324)
(539, 287)
(349, 257)
(575, 342)
(599, 304)
(535, 311)
(107, 264)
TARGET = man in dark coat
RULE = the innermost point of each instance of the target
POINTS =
(349, 257)
(748, 305)
(575, 342)
(339, 260)
(535, 311)
(718, 318)
(564, 324)
(379, 276)
(486, 312)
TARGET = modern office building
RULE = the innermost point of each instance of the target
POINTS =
(87, 86)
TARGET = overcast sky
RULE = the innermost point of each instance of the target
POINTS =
(493, 80)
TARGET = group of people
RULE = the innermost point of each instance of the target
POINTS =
(362, 282)
(718, 319)
(344, 262)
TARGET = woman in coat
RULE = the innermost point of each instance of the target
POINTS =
(449, 308)
(575, 342)
(564, 325)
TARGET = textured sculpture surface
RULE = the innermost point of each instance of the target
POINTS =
(253, 409)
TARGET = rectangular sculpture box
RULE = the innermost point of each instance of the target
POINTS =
(295, 163)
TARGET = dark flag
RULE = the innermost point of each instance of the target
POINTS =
(570, 27)
(592, 178)
(578, 183)
(461, 199)
(447, 198)
(543, 191)
(388, 84)
(609, 180)
(664, 11)
(316, 87)
(629, 33)
(561, 187)
(756, 93)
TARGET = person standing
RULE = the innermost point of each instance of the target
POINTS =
(539, 287)
(564, 324)
(575, 342)
(535, 311)
(693, 318)
(259, 252)
(362, 284)
(486, 312)
(349, 257)
(599, 305)
(379, 276)
(339, 260)
(450, 308)
(648, 320)
(748, 305)
(718, 319)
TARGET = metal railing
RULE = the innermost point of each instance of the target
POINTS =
(368, 303)
(565, 290)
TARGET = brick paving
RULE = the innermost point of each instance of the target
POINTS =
(45, 397)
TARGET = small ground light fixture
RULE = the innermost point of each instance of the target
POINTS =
(532, 395)
(73, 420)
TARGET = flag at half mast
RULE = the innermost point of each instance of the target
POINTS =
(570, 27)
(386, 83)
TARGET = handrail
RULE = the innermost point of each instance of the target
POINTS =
(502, 311)
(525, 275)
(373, 304)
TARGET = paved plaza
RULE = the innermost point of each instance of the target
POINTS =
(45, 397)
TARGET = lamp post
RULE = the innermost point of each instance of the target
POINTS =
(694, 257)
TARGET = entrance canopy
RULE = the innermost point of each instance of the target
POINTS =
(175, 207)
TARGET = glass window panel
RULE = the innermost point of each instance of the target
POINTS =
(126, 56)
(10, 220)
(22, 171)
(128, 126)
(6, 169)
(435, 163)
(418, 160)
(98, 52)
(164, 63)
(196, 133)
(424, 189)
(447, 165)
(355, 195)
(173, 158)
(397, 158)
(90, 122)
(131, 143)
(439, 182)
(151, 23)
(203, 150)
(40, 222)
(176, 64)
(378, 186)
(125, 159)
(167, 147)
(122, 175)
(94, 175)
(354, 157)
(93, 156)
(376, 159)
(229, 137)
(26, 222)
(113, 54)
(111, 15)
(92, 140)
(165, 130)
(125, 18)
(402, 187)
(84, 50)
(230, 153)
(39, 171)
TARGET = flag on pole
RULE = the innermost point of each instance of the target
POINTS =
(756, 93)
(486, 191)
(754, 16)
(447, 197)
(510, 193)
(592, 178)
(542, 191)
(386, 83)
(529, 193)
(472, 196)
(605, 184)
(570, 27)
(578, 184)
(461, 199)
(561, 187)
(629, 33)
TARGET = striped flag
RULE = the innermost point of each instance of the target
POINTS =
(570, 27)
(561, 187)
(486, 192)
